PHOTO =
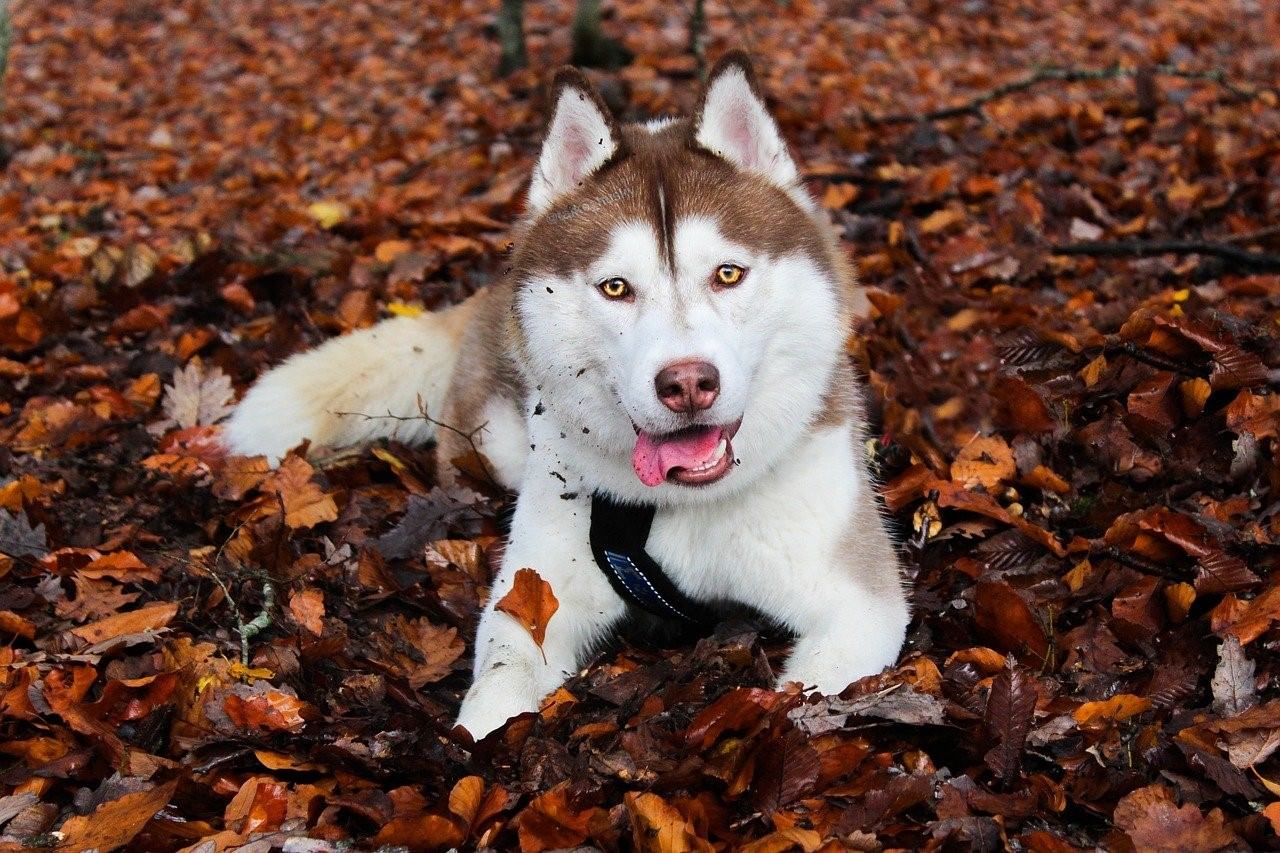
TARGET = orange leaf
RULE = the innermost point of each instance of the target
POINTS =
(258, 706)
(388, 250)
(985, 461)
(657, 827)
(465, 798)
(307, 608)
(531, 603)
(305, 503)
(122, 566)
(549, 822)
(1117, 708)
(150, 618)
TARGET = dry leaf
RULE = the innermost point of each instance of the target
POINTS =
(307, 607)
(152, 617)
(530, 602)
(114, 823)
(197, 397)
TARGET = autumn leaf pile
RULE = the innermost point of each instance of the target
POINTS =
(1078, 447)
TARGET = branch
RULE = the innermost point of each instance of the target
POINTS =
(1063, 75)
(1254, 261)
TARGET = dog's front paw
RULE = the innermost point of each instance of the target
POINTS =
(497, 695)
(831, 668)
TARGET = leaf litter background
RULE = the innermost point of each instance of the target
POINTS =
(1079, 450)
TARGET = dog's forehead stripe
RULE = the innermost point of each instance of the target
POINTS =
(662, 181)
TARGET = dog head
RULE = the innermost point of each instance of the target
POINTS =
(681, 304)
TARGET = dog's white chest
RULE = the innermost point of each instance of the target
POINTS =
(739, 549)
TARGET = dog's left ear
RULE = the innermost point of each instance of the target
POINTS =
(581, 137)
(732, 122)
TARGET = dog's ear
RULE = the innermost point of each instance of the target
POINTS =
(581, 137)
(732, 122)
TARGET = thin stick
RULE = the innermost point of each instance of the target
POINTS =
(422, 415)
(1254, 261)
(1063, 75)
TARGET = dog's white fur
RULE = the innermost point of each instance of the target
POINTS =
(792, 531)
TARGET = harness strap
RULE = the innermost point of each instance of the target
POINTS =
(619, 534)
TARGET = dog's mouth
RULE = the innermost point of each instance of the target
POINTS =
(694, 456)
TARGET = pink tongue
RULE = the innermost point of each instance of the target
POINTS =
(654, 457)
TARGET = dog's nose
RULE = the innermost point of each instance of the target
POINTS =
(688, 386)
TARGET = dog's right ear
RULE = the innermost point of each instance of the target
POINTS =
(581, 138)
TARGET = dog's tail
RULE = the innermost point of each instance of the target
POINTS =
(371, 384)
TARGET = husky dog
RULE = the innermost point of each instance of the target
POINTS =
(671, 334)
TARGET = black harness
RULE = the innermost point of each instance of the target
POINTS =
(619, 534)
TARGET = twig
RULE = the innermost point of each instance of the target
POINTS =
(1063, 75)
(1137, 353)
(422, 415)
(697, 24)
(249, 630)
(1257, 261)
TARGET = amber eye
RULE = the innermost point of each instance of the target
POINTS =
(727, 275)
(615, 288)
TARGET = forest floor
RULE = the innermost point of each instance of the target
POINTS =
(1074, 352)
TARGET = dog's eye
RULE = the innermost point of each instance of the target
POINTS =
(727, 275)
(615, 288)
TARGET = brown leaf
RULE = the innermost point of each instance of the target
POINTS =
(786, 769)
(738, 710)
(1254, 414)
(1011, 706)
(307, 607)
(1020, 407)
(114, 823)
(198, 397)
(439, 647)
(530, 602)
(122, 566)
(1257, 616)
(1003, 615)
(1153, 821)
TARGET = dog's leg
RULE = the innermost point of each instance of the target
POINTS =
(549, 534)
(851, 614)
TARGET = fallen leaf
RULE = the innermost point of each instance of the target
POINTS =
(151, 617)
(197, 397)
(115, 823)
(531, 602)
(656, 827)
(307, 608)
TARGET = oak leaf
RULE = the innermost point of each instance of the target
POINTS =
(197, 397)
(531, 602)
(305, 503)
